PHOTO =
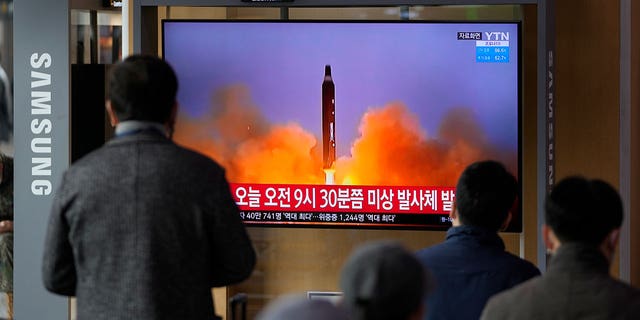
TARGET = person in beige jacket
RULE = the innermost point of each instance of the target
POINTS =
(583, 219)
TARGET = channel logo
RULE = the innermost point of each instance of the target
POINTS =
(487, 36)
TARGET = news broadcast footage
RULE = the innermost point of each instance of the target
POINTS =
(346, 124)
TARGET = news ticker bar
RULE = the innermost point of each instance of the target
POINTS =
(343, 199)
(341, 219)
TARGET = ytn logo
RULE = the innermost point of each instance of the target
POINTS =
(497, 36)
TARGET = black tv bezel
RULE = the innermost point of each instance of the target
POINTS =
(516, 225)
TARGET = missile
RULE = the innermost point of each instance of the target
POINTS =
(328, 120)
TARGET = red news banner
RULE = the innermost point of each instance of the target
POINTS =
(347, 199)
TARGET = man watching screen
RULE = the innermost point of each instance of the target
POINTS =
(142, 228)
(471, 265)
(582, 227)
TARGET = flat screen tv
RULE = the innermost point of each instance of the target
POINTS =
(347, 124)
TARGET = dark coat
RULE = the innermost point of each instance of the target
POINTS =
(469, 267)
(6, 107)
(6, 213)
(143, 229)
(577, 285)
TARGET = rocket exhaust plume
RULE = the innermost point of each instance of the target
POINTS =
(329, 176)
(392, 148)
(328, 125)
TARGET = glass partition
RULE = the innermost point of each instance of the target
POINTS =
(96, 36)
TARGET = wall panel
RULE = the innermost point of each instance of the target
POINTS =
(635, 144)
(588, 90)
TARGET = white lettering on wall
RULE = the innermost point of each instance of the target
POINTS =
(41, 126)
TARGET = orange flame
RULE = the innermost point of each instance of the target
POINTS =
(392, 148)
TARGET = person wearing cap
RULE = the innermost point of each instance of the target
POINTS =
(472, 264)
(582, 226)
(383, 281)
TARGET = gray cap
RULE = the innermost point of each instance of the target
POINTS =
(300, 308)
(383, 280)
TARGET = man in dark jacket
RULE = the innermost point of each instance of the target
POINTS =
(143, 228)
(471, 265)
(583, 219)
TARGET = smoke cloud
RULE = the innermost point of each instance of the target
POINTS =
(392, 148)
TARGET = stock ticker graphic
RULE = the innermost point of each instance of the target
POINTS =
(336, 132)
(490, 46)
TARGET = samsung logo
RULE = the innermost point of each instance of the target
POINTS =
(41, 124)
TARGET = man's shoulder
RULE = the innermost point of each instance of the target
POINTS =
(520, 264)
(196, 156)
(621, 290)
(95, 158)
(114, 156)
(548, 293)
(197, 166)
(511, 303)
(448, 250)
(434, 251)
(525, 290)
(633, 311)
(168, 149)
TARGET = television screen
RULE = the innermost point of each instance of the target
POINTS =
(347, 124)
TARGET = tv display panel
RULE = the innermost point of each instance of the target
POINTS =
(347, 124)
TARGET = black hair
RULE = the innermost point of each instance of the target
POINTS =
(143, 87)
(485, 194)
(383, 281)
(583, 210)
